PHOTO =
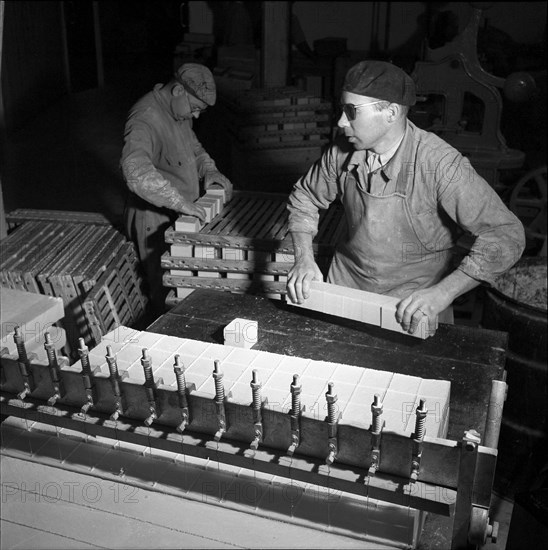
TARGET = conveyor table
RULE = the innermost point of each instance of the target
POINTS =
(470, 358)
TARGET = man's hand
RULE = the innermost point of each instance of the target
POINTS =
(213, 177)
(429, 302)
(191, 209)
(304, 269)
(298, 280)
(432, 301)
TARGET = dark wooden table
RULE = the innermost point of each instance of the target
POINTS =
(470, 358)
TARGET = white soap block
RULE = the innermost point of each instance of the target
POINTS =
(182, 250)
(205, 252)
(183, 292)
(217, 199)
(214, 203)
(244, 276)
(241, 333)
(217, 192)
(236, 254)
(33, 313)
(209, 210)
(188, 224)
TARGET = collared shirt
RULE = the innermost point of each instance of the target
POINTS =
(162, 160)
(374, 162)
(445, 197)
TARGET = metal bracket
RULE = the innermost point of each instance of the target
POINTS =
(377, 426)
(332, 424)
(54, 371)
(418, 437)
(115, 379)
(258, 404)
(182, 389)
(150, 389)
(295, 415)
(219, 401)
(24, 365)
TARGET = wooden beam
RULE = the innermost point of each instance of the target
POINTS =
(275, 44)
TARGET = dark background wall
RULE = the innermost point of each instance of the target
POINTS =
(50, 48)
(65, 94)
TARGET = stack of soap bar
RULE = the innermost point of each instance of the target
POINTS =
(359, 305)
(212, 202)
(354, 386)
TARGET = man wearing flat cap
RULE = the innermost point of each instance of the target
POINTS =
(163, 163)
(407, 196)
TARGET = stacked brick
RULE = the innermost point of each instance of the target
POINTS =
(244, 248)
(275, 134)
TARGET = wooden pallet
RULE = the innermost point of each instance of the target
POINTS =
(116, 299)
(259, 221)
(66, 260)
(246, 248)
(17, 217)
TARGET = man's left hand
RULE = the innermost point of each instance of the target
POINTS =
(215, 177)
(429, 302)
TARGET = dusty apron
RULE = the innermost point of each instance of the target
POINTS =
(381, 251)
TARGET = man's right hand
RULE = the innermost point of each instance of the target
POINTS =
(299, 277)
(191, 209)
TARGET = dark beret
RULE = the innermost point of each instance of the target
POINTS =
(380, 80)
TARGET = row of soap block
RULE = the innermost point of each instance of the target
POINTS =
(204, 252)
(354, 386)
(360, 305)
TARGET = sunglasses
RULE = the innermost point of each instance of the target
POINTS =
(351, 111)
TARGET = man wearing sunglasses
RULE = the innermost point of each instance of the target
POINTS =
(163, 163)
(408, 196)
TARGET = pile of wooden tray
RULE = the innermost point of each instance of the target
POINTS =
(83, 260)
(245, 248)
(275, 134)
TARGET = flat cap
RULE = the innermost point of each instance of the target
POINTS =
(380, 80)
(197, 80)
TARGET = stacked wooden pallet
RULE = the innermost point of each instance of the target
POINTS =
(67, 260)
(244, 248)
(275, 134)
